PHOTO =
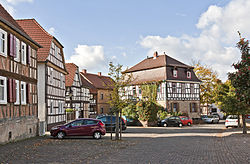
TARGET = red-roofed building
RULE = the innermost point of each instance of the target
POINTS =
(178, 87)
(77, 93)
(100, 92)
(51, 75)
(18, 81)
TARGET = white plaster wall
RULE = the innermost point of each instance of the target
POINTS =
(41, 92)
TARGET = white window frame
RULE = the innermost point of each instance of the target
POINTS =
(188, 74)
(23, 53)
(175, 73)
(17, 58)
(4, 101)
(61, 80)
(17, 93)
(5, 40)
(50, 76)
(23, 97)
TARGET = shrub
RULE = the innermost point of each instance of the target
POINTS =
(69, 110)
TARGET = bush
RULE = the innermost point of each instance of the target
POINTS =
(162, 114)
(69, 110)
(147, 110)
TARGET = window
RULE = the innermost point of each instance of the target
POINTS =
(175, 107)
(77, 123)
(183, 89)
(175, 73)
(51, 107)
(51, 76)
(134, 91)
(139, 91)
(23, 93)
(23, 53)
(61, 80)
(174, 87)
(192, 88)
(188, 74)
(3, 42)
(17, 58)
(3, 90)
(17, 92)
(193, 107)
(101, 96)
(101, 110)
(90, 122)
(159, 89)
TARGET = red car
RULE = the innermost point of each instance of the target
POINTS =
(80, 127)
(186, 120)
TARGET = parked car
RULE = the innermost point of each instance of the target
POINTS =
(106, 119)
(211, 119)
(203, 116)
(186, 120)
(171, 121)
(80, 127)
(231, 121)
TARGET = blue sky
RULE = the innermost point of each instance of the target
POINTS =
(95, 32)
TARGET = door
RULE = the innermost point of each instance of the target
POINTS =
(74, 128)
(89, 127)
(171, 121)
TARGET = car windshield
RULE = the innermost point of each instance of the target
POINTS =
(232, 117)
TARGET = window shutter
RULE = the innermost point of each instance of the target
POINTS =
(195, 107)
(190, 106)
(177, 107)
(9, 90)
(10, 46)
(14, 47)
(171, 110)
(14, 90)
(28, 54)
(27, 92)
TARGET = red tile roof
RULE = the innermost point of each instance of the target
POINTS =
(69, 78)
(6, 18)
(98, 82)
(159, 61)
(36, 32)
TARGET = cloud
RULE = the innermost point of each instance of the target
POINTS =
(215, 45)
(181, 14)
(124, 54)
(52, 31)
(15, 2)
(89, 57)
(9, 5)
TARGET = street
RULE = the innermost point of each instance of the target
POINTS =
(206, 143)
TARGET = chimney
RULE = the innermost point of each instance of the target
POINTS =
(84, 71)
(155, 54)
(99, 74)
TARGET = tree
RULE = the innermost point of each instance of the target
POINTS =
(240, 79)
(209, 79)
(118, 102)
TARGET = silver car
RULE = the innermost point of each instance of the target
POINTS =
(212, 119)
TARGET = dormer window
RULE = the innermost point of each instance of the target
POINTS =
(188, 74)
(175, 73)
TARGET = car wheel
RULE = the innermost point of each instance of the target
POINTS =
(165, 124)
(212, 122)
(188, 124)
(60, 135)
(180, 125)
(97, 135)
(226, 126)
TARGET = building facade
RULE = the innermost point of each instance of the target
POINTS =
(18, 81)
(77, 94)
(178, 87)
(51, 76)
(100, 92)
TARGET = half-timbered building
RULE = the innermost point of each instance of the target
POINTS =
(77, 94)
(18, 81)
(178, 87)
(51, 75)
(100, 92)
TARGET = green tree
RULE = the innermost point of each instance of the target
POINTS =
(240, 79)
(209, 79)
(118, 101)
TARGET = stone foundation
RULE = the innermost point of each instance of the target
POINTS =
(17, 129)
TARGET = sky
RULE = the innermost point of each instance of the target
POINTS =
(96, 32)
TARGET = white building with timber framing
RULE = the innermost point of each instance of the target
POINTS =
(178, 86)
(51, 76)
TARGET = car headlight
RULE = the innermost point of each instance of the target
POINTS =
(54, 128)
(162, 120)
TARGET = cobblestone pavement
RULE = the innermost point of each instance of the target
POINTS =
(197, 144)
